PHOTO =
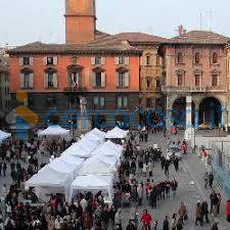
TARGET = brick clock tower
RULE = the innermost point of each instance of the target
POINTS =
(80, 21)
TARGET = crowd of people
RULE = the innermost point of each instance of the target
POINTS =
(136, 186)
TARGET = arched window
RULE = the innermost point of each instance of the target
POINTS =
(197, 58)
(180, 57)
(214, 58)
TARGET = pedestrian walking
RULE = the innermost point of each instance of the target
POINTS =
(198, 214)
(204, 211)
(206, 178)
(4, 168)
(183, 212)
(174, 221)
(211, 179)
(166, 223)
(219, 197)
(146, 219)
(176, 164)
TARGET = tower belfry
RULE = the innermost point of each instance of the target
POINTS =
(80, 22)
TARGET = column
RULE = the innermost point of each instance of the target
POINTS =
(189, 130)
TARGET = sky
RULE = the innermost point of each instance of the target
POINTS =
(26, 21)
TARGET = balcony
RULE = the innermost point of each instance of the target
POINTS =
(193, 89)
(79, 89)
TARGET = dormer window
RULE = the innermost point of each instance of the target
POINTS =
(50, 60)
(25, 61)
(197, 58)
(180, 58)
(214, 58)
(97, 60)
(121, 60)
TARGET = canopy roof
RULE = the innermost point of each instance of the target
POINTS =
(83, 148)
(92, 182)
(98, 165)
(4, 135)
(47, 177)
(108, 149)
(116, 133)
(54, 130)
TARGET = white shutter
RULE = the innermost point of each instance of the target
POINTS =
(46, 80)
(102, 101)
(45, 60)
(102, 79)
(31, 60)
(125, 102)
(119, 102)
(117, 79)
(93, 60)
(94, 79)
(31, 80)
(22, 80)
(55, 60)
(127, 79)
(96, 101)
(20, 61)
(55, 80)
(102, 60)
(116, 60)
(127, 60)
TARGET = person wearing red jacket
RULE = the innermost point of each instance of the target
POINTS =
(146, 220)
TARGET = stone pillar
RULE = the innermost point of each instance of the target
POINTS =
(189, 130)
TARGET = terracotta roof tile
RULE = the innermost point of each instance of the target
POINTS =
(97, 46)
(200, 37)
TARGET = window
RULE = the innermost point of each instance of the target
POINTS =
(214, 80)
(75, 79)
(158, 60)
(97, 60)
(180, 57)
(214, 58)
(180, 79)
(148, 60)
(50, 61)
(197, 58)
(98, 102)
(197, 79)
(122, 102)
(98, 79)
(148, 82)
(122, 79)
(121, 60)
(26, 81)
(148, 103)
(26, 61)
(158, 84)
(50, 80)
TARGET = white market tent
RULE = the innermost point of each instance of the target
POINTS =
(98, 133)
(108, 149)
(63, 167)
(117, 133)
(48, 181)
(98, 165)
(83, 148)
(93, 184)
(77, 162)
(54, 131)
(4, 135)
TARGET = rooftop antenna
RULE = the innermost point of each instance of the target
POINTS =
(210, 20)
(201, 21)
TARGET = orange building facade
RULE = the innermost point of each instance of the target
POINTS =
(108, 78)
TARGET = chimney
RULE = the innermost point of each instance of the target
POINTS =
(181, 30)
